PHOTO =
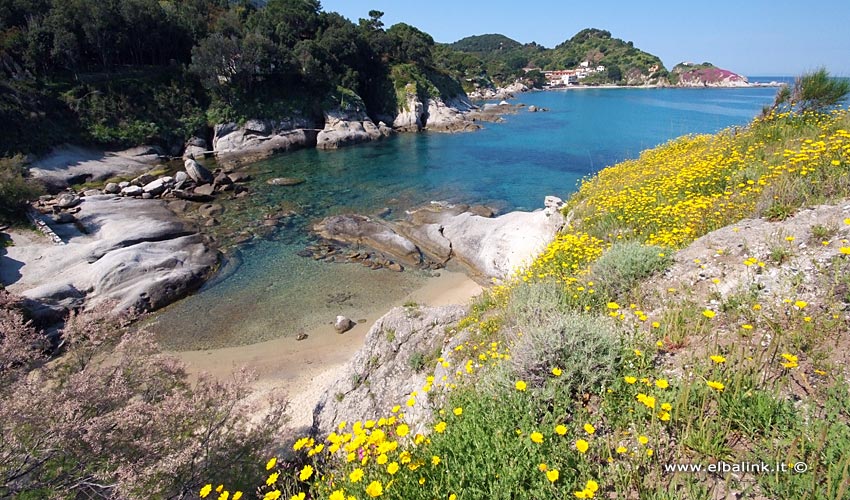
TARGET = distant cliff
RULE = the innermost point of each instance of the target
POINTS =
(705, 75)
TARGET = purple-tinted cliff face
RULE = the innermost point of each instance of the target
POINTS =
(705, 75)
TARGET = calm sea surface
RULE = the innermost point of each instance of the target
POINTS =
(510, 165)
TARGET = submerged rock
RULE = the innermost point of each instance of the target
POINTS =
(360, 230)
(285, 181)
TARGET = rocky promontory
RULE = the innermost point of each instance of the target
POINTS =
(489, 247)
(135, 253)
(347, 127)
(705, 75)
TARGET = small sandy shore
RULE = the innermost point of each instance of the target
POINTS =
(304, 369)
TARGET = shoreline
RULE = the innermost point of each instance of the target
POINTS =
(303, 369)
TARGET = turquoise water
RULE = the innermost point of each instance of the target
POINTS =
(509, 165)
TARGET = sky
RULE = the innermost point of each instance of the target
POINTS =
(750, 37)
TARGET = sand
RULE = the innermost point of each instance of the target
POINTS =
(304, 369)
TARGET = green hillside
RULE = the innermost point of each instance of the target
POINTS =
(619, 57)
(485, 43)
(497, 59)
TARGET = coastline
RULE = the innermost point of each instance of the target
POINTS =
(303, 369)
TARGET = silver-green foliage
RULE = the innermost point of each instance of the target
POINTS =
(622, 267)
(548, 334)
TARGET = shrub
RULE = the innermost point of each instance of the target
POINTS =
(547, 334)
(619, 269)
(116, 418)
(15, 190)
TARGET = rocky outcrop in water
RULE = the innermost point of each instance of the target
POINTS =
(706, 75)
(258, 139)
(490, 247)
(376, 234)
(498, 93)
(437, 114)
(344, 128)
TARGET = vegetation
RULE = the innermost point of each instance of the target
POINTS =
(103, 414)
(815, 91)
(124, 72)
(15, 190)
(487, 59)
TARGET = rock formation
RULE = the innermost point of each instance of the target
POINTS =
(130, 251)
(489, 247)
(347, 127)
(398, 353)
(258, 139)
(450, 115)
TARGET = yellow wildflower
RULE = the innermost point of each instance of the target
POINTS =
(552, 475)
(205, 491)
(306, 472)
(718, 359)
(356, 475)
(375, 489)
(271, 463)
(588, 428)
(718, 386)
(536, 437)
(582, 445)
(392, 468)
(560, 430)
(520, 385)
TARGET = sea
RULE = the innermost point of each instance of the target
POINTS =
(266, 290)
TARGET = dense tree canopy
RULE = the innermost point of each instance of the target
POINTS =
(228, 58)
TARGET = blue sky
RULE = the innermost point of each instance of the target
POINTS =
(754, 38)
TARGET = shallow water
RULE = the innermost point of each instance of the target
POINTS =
(509, 165)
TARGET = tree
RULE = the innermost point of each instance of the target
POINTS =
(614, 73)
(410, 44)
(286, 22)
(230, 65)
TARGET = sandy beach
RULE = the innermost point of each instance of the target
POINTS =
(303, 369)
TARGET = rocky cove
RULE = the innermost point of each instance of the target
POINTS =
(366, 209)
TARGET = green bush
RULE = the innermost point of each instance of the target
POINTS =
(547, 334)
(619, 269)
(15, 190)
